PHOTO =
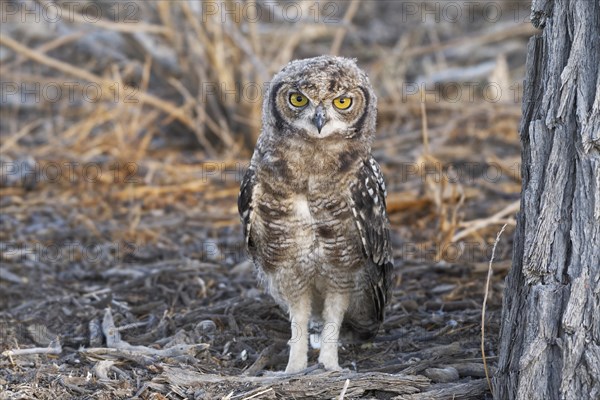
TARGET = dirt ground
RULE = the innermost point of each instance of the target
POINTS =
(123, 271)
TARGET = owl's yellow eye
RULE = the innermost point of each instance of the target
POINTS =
(298, 100)
(342, 102)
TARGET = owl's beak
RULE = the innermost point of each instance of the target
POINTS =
(320, 118)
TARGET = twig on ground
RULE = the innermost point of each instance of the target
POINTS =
(114, 341)
(255, 395)
(54, 348)
(344, 389)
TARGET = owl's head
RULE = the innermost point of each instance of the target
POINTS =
(319, 98)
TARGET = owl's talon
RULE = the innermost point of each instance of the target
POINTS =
(333, 368)
(290, 370)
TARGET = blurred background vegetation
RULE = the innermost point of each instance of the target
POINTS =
(161, 100)
(126, 127)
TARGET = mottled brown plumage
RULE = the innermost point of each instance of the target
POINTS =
(313, 205)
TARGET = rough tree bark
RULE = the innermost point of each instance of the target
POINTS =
(550, 336)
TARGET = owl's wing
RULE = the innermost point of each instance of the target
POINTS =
(368, 207)
(245, 201)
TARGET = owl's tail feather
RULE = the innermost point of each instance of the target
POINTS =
(366, 314)
(355, 331)
(362, 324)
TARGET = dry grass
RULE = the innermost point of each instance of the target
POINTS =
(148, 173)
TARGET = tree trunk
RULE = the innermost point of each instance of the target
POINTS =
(550, 336)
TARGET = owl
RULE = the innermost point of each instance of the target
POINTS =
(312, 205)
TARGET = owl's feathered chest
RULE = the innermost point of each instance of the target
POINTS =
(309, 168)
(302, 216)
(303, 232)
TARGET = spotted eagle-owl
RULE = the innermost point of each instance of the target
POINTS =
(312, 205)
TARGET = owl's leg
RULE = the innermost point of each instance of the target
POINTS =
(300, 314)
(334, 309)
